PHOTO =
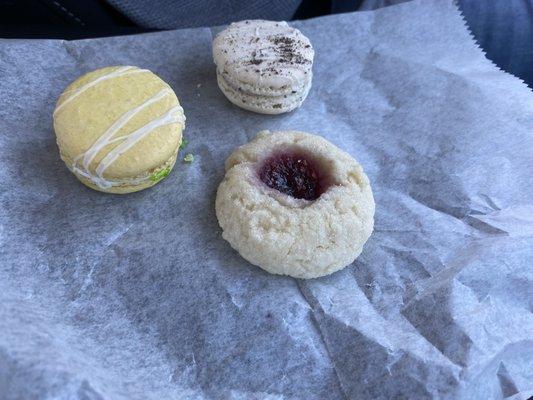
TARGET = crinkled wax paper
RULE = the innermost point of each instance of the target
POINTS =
(139, 297)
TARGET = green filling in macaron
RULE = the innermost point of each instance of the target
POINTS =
(183, 144)
(157, 176)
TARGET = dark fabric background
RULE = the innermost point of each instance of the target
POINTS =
(168, 14)
(504, 29)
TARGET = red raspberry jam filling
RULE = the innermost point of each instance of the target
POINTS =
(295, 174)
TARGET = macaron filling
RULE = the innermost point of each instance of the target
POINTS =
(262, 103)
(294, 173)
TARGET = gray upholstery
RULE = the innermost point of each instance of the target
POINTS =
(166, 14)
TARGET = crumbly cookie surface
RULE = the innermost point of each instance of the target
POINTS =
(293, 236)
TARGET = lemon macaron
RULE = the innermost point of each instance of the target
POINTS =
(119, 128)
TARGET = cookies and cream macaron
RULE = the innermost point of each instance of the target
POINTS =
(295, 204)
(119, 128)
(263, 66)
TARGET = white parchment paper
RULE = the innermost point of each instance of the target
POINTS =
(139, 297)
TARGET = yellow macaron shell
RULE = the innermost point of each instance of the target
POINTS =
(128, 119)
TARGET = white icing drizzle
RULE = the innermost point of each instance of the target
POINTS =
(105, 184)
(113, 74)
(171, 116)
(105, 139)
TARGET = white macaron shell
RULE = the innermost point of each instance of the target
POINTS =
(264, 54)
